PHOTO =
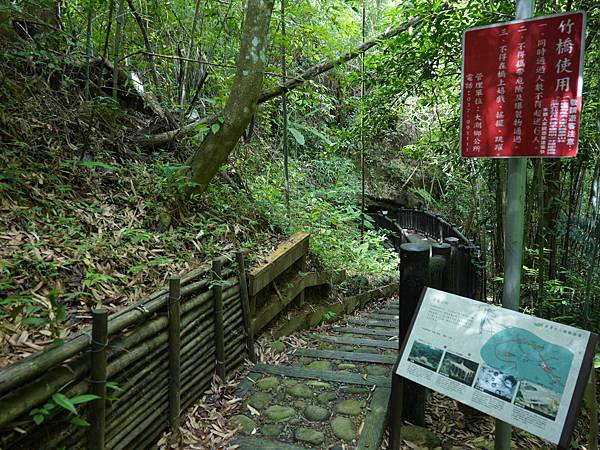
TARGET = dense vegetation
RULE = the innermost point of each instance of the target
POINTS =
(133, 147)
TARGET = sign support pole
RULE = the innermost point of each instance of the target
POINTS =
(513, 242)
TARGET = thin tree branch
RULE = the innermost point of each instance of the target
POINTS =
(318, 69)
(200, 61)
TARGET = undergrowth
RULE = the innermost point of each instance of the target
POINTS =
(77, 233)
(324, 201)
(87, 220)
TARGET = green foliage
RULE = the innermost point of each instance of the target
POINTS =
(60, 402)
(329, 315)
(324, 202)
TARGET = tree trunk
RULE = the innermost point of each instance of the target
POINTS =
(147, 43)
(541, 237)
(242, 102)
(499, 238)
(118, 35)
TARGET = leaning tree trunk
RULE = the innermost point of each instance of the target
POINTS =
(242, 102)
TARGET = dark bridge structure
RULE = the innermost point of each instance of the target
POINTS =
(459, 258)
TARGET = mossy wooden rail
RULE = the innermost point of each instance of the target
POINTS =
(282, 279)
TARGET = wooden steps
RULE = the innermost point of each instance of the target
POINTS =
(349, 382)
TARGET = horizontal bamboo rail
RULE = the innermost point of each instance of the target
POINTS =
(137, 359)
(36, 364)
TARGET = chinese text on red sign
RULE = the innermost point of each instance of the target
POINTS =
(522, 86)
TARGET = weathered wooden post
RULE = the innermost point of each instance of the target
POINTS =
(218, 308)
(97, 411)
(439, 266)
(246, 307)
(174, 352)
(408, 398)
(453, 285)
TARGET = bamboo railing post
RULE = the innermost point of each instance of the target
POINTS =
(174, 353)
(246, 307)
(97, 411)
(219, 329)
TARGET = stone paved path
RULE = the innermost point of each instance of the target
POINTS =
(333, 395)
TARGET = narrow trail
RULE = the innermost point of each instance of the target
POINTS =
(331, 393)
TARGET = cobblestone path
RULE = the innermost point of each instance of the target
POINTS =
(332, 394)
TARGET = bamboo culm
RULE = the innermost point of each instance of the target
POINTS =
(174, 353)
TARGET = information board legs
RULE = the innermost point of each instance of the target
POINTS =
(513, 256)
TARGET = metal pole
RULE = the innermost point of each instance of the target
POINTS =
(513, 239)
(362, 129)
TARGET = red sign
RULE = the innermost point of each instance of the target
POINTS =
(521, 87)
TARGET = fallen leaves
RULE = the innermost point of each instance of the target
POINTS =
(206, 424)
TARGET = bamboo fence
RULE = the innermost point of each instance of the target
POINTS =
(162, 352)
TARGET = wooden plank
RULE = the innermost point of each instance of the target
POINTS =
(277, 302)
(278, 262)
(359, 341)
(378, 316)
(318, 278)
(365, 331)
(246, 384)
(375, 420)
(375, 323)
(324, 375)
(344, 356)
(288, 288)
(254, 443)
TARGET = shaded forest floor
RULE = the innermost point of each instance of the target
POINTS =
(88, 219)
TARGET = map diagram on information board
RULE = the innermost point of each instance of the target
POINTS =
(527, 357)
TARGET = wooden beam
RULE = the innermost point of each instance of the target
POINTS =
(375, 323)
(359, 341)
(375, 421)
(277, 262)
(288, 289)
(366, 331)
(324, 375)
(343, 356)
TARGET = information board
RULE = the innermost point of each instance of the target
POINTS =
(521, 369)
(521, 87)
